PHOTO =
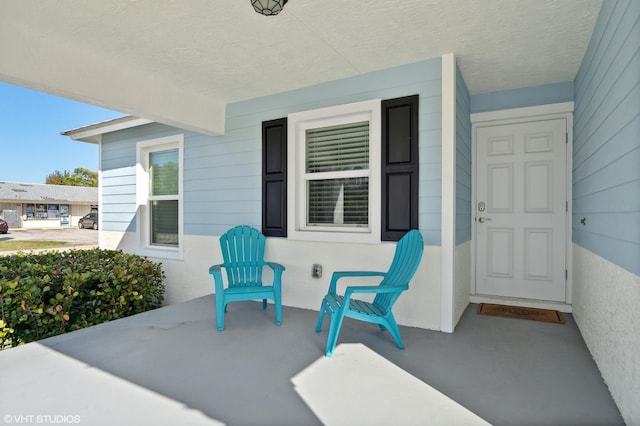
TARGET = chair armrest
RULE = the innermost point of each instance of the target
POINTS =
(277, 274)
(342, 274)
(373, 289)
(216, 268)
(216, 272)
(275, 266)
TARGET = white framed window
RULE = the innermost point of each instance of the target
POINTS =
(159, 197)
(334, 173)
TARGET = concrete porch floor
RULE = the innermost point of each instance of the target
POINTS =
(171, 366)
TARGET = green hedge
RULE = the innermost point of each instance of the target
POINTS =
(47, 294)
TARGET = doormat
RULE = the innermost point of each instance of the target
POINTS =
(533, 314)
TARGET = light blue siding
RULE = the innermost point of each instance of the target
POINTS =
(223, 175)
(606, 153)
(523, 97)
(118, 161)
(239, 152)
(463, 161)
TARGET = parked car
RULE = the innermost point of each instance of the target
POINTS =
(90, 220)
(4, 226)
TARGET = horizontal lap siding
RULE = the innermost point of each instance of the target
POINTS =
(118, 185)
(222, 175)
(430, 155)
(118, 158)
(463, 161)
(222, 181)
(223, 185)
(606, 154)
(522, 97)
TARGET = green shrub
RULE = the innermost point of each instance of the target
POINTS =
(47, 294)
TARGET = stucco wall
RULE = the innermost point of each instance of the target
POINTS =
(462, 279)
(189, 278)
(605, 305)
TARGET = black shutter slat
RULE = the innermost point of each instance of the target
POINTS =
(274, 178)
(399, 167)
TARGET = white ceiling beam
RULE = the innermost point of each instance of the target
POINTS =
(53, 66)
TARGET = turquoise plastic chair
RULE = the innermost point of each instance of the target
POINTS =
(243, 255)
(396, 280)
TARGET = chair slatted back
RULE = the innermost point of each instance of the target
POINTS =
(404, 265)
(243, 254)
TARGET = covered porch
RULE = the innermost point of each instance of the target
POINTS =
(171, 366)
(209, 69)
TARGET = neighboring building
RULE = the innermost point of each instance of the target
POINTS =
(31, 205)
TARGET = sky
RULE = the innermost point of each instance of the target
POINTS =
(31, 146)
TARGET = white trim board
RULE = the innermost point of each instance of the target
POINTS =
(520, 113)
(93, 132)
(448, 221)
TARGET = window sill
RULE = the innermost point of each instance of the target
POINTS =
(364, 236)
(161, 252)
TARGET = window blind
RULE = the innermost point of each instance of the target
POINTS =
(164, 222)
(338, 148)
(343, 202)
(164, 176)
(164, 172)
(339, 200)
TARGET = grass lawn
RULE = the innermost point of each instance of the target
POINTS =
(14, 245)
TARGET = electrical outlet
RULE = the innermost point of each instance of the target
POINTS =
(316, 270)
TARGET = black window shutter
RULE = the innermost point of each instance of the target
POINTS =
(399, 167)
(274, 178)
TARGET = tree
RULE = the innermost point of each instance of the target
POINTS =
(79, 177)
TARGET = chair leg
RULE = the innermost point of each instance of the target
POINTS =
(277, 302)
(221, 308)
(320, 317)
(394, 330)
(335, 323)
(264, 303)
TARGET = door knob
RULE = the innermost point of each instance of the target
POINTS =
(483, 219)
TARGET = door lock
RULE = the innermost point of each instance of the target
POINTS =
(483, 219)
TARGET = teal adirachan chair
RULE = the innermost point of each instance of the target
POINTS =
(243, 256)
(396, 280)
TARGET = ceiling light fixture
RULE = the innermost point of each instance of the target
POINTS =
(268, 7)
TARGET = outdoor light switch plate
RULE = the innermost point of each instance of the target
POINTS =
(316, 270)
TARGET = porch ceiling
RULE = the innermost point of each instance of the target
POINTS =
(181, 62)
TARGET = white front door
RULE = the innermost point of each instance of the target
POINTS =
(521, 209)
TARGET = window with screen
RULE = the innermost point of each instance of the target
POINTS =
(159, 197)
(335, 156)
(163, 197)
(337, 175)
